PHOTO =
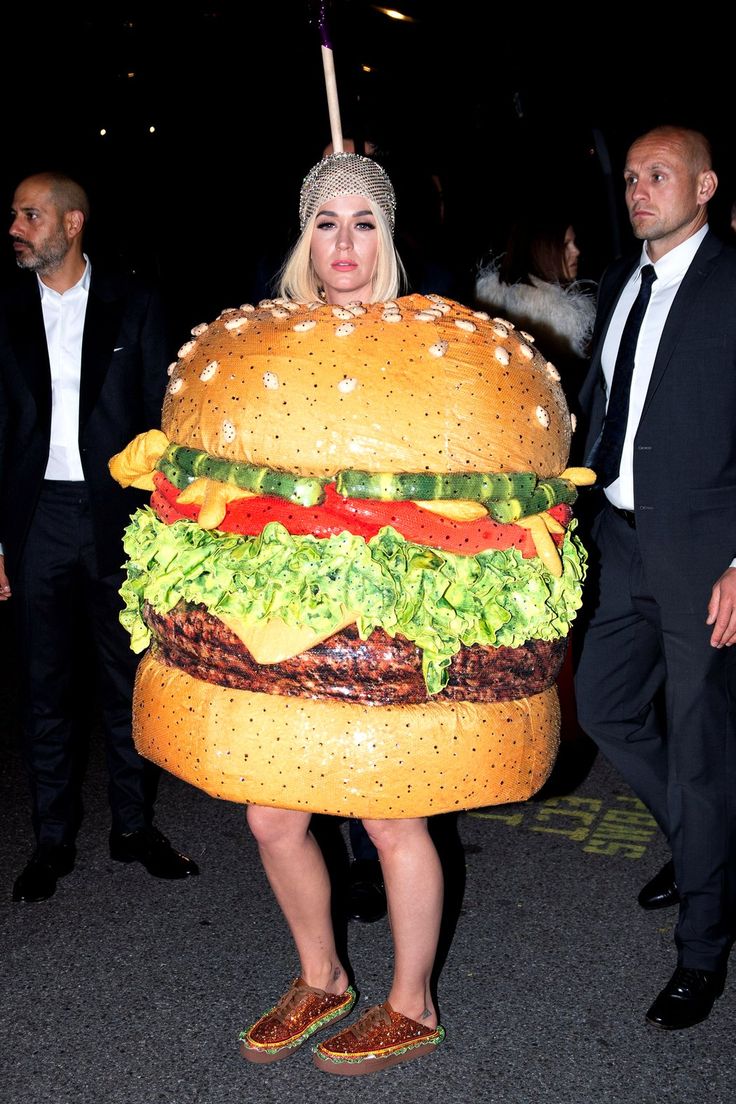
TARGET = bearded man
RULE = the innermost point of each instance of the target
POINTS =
(83, 361)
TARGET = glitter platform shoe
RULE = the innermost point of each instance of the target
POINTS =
(298, 1014)
(379, 1039)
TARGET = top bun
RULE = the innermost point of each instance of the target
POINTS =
(420, 383)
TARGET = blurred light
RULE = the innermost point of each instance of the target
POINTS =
(130, 75)
(367, 69)
(392, 13)
(103, 132)
(152, 130)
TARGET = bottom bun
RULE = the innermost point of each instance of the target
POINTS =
(341, 758)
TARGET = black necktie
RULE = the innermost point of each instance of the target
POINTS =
(607, 456)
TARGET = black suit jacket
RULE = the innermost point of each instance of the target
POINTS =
(685, 446)
(123, 377)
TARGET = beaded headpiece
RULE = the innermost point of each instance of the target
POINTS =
(346, 174)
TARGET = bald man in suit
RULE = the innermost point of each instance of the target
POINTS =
(656, 677)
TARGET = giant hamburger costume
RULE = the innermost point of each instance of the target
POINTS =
(356, 576)
(357, 573)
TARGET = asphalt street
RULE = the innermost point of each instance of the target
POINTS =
(122, 989)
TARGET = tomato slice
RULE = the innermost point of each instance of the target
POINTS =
(363, 517)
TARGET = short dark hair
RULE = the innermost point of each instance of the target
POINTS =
(67, 193)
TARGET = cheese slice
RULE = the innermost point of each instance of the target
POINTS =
(273, 641)
(134, 466)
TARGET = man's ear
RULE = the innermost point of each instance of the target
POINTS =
(707, 184)
(74, 221)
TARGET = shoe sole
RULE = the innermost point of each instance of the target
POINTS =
(679, 1026)
(652, 906)
(357, 1067)
(266, 1057)
(690, 1023)
(151, 868)
(683, 1026)
(33, 899)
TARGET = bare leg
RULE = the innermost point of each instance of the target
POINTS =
(298, 877)
(413, 878)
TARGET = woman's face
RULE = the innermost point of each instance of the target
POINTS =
(570, 254)
(344, 249)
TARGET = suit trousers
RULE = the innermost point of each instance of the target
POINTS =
(61, 602)
(660, 702)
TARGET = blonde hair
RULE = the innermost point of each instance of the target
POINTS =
(298, 279)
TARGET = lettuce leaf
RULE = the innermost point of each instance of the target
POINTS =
(438, 600)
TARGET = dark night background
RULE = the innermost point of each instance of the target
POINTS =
(511, 109)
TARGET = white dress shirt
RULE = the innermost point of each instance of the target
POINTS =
(670, 271)
(63, 319)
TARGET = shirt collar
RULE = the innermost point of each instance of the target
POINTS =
(676, 262)
(82, 282)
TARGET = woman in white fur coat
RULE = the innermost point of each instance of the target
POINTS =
(534, 284)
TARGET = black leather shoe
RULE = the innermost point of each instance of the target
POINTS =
(686, 999)
(151, 848)
(661, 891)
(47, 864)
(366, 893)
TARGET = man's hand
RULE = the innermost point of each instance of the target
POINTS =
(722, 610)
(4, 584)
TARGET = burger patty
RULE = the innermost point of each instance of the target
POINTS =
(378, 671)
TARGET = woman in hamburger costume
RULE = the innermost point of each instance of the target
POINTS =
(357, 579)
(345, 256)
